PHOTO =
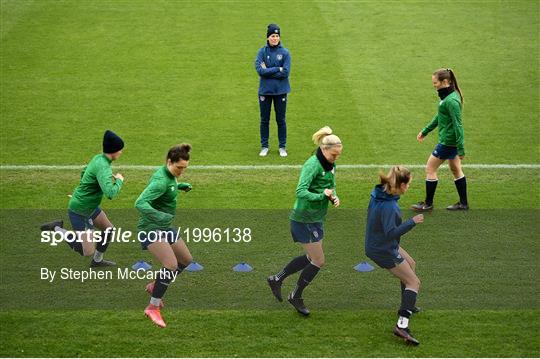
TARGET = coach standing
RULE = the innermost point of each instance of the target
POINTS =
(273, 64)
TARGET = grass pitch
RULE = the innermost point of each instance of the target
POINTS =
(159, 73)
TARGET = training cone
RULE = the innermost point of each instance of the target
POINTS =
(364, 267)
(141, 265)
(242, 267)
(194, 267)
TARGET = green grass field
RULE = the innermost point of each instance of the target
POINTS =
(164, 72)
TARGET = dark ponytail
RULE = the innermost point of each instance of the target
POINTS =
(448, 74)
(179, 152)
(454, 82)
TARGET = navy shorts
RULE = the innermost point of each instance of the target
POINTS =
(82, 223)
(444, 152)
(307, 232)
(386, 260)
(147, 238)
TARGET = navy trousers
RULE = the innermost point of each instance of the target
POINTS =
(280, 107)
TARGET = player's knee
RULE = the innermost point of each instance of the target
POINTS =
(170, 264)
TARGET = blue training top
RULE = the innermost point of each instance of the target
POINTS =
(273, 81)
(384, 225)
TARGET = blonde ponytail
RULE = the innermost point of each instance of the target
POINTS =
(325, 139)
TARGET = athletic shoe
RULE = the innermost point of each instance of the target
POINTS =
(275, 286)
(406, 335)
(264, 152)
(422, 207)
(150, 289)
(51, 225)
(102, 263)
(154, 314)
(283, 152)
(458, 207)
(416, 310)
(298, 304)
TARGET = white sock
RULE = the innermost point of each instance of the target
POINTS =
(403, 322)
(98, 256)
(155, 301)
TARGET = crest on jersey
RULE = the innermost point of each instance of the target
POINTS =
(279, 57)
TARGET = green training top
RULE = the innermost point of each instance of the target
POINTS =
(96, 180)
(311, 204)
(157, 203)
(448, 119)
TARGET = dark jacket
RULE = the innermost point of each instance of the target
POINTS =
(384, 226)
(273, 81)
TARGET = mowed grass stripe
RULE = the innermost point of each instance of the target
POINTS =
(267, 333)
(267, 167)
(271, 188)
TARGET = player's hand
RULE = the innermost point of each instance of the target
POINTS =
(187, 189)
(119, 176)
(419, 218)
(335, 200)
(461, 157)
(420, 137)
(263, 65)
(329, 193)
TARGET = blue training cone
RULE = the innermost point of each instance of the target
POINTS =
(364, 267)
(242, 267)
(194, 267)
(141, 265)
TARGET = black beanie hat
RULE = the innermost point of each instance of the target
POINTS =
(273, 29)
(112, 142)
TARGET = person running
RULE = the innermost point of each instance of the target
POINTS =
(315, 189)
(451, 142)
(83, 208)
(273, 64)
(157, 207)
(382, 242)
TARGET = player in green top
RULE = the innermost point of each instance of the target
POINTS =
(83, 209)
(451, 142)
(316, 188)
(157, 206)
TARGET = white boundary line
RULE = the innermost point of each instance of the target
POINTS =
(260, 167)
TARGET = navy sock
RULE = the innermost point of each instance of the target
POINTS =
(461, 186)
(408, 301)
(162, 282)
(431, 186)
(76, 246)
(102, 245)
(294, 266)
(306, 277)
(180, 268)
